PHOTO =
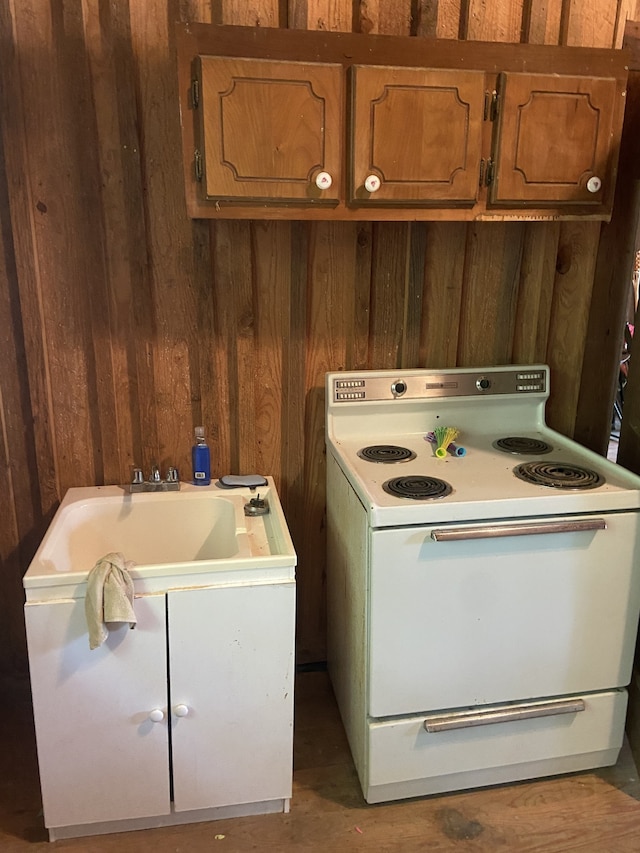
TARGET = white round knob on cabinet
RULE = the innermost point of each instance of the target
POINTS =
(157, 715)
(323, 180)
(372, 183)
(594, 184)
(181, 710)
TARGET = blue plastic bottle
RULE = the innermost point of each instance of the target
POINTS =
(201, 459)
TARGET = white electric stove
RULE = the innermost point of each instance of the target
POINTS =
(483, 596)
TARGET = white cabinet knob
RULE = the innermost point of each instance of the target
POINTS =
(594, 184)
(323, 180)
(157, 715)
(372, 183)
(181, 710)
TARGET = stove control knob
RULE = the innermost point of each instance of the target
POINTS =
(398, 388)
(483, 384)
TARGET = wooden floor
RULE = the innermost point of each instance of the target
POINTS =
(596, 811)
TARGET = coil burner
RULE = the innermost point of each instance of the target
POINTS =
(558, 475)
(417, 488)
(522, 445)
(386, 453)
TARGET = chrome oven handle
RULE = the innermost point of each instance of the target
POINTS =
(495, 531)
(502, 714)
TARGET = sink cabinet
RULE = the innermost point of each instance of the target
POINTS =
(187, 717)
(306, 125)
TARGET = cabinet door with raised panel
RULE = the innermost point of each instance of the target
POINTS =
(553, 141)
(416, 135)
(270, 131)
(231, 680)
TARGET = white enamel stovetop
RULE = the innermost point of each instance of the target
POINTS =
(366, 409)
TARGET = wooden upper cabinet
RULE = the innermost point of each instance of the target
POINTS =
(553, 140)
(416, 135)
(292, 124)
(271, 131)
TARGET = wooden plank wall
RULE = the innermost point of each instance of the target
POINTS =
(123, 323)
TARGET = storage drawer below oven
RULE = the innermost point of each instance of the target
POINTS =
(405, 760)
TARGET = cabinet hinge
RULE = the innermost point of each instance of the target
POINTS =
(491, 105)
(197, 164)
(486, 172)
(195, 93)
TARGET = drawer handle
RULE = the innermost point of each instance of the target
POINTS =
(503, 714)
(497, 531)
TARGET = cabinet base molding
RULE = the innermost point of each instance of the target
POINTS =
(56, 833)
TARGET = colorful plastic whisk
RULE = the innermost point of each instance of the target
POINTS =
(444, 437)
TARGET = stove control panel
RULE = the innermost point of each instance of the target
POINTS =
(424, 384)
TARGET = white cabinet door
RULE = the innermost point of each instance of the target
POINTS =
(101, 758)
(232, 667)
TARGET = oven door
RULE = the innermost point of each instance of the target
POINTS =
(464, 615)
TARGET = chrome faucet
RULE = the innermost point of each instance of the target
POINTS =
(155, 483)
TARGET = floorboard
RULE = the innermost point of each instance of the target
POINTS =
(591, 812)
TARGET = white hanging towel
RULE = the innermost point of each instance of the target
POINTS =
(109, 597)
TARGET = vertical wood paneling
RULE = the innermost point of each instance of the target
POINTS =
(444, 270)
(414, 295)
(541, 21)
(59, 259)
(40, 480)
(16, 456)
(330, 308)
(535, 292)
(331, 15)
(490, 21)
(358, 342)
(255, 13)
(388, 293)
(626, 12)
(391, 17)
(169, 232)
(489, 293)
(124, 323)
(293, 410)
(591, 22)
(272, 243)
(569, 319)
(123, 376)
(437, 18)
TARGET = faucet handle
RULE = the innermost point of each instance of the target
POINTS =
(138, 476)
(172, 475)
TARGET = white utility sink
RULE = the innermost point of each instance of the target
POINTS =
(197, 530)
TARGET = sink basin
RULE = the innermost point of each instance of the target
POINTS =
(195, 530)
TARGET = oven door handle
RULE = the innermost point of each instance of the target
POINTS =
(535, 528)
(502, 714)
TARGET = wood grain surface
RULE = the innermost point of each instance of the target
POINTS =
(125, 323)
